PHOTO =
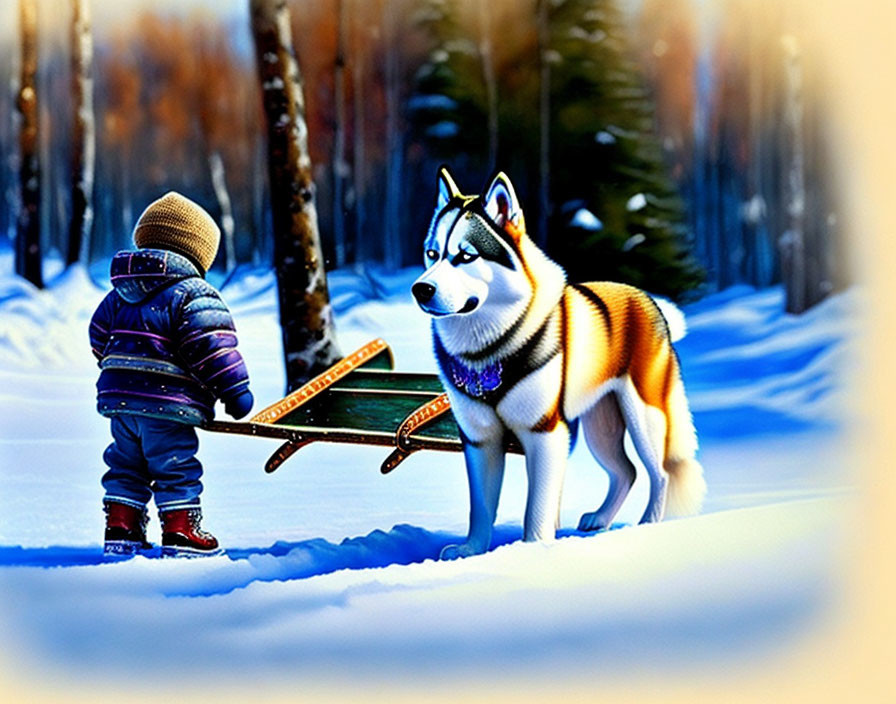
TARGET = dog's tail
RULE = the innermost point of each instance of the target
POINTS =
(674, 316)
(687, 487)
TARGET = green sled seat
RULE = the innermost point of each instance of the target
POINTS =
(361, 399)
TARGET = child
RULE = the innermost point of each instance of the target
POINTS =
(166, 346)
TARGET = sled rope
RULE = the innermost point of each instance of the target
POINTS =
(320, 383)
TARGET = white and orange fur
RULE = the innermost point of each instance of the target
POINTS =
(522, 352)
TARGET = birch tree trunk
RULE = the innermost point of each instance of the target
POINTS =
(544, 112)
(222, 195)
(305, 315)
(83, 158)
(28, 253)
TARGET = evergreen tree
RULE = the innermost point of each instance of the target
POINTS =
(607, 161)
(613, 211)
(449, 105)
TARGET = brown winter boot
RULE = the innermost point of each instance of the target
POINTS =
(182, 536)
(125, 529)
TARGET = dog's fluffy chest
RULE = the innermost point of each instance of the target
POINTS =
(523, 406)
(521, 387)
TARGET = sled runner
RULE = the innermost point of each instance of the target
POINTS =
(361, 399)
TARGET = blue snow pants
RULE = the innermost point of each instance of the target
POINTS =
(152, 457)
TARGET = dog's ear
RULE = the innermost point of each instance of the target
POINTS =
(447, 188)
(501, 203)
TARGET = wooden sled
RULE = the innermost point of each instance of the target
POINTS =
(361, 400)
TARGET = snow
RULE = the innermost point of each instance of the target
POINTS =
(633, 241)
(443, 129)
(636, 202)
(598, 35)
(431, 102)
(753, 210)
(330, 576)
(587, 220)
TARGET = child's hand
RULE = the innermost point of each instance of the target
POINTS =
(240, 405)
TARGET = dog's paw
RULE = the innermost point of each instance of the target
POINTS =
(593, 521)
(452, 552)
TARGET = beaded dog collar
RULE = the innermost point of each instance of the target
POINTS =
(476, 383)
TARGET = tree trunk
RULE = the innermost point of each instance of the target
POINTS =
(699, 192)
(260, 243)
(362, 250)
(8, 204)
(83, 156)
(488, 77)
(28, 253)
(305, 315)
(544, 112)
(339, 167)
(753, 209)
(127, 191)
(391, 220)
(792, 242)
(222, 195)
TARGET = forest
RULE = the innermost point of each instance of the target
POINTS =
(690, 147)
(657, 142)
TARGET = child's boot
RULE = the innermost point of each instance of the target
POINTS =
(125, 529)
(182, 535)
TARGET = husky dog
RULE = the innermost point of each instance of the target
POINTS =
(520, 351)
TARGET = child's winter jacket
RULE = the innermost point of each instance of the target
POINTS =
(165, 342)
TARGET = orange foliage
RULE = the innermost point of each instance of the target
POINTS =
(122, 116)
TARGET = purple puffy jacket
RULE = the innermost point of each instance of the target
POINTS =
(165, 341)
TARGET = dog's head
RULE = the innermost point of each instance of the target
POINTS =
(472, 252)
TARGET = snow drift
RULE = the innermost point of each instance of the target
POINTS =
(330, 573)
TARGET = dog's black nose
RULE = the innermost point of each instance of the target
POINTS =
(423, 292)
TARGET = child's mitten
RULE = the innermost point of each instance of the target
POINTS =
(240, 405)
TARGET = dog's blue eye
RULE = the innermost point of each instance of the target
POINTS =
(432, 254)
(465, 257)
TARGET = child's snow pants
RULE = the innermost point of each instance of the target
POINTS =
(152, 457)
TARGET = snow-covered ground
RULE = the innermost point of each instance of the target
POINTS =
(330, 577)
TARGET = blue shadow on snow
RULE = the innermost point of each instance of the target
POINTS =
(402, 545)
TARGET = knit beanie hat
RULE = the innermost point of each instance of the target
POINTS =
(176, 223)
